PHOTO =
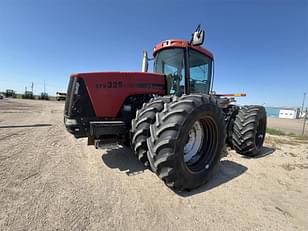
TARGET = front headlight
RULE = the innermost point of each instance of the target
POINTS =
(69, 122)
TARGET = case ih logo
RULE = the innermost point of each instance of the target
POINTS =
(149, 85)
(110, 84)
(119, 84)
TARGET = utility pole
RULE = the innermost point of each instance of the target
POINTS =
(303, 104)
(32, 85)
(305, 117)
(44, 87)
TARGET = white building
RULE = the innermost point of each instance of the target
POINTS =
(289, 113)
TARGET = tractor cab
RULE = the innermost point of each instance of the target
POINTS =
(186, 65)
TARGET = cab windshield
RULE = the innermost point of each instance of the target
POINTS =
(171, 62)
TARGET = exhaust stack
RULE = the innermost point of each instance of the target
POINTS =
(145, 62)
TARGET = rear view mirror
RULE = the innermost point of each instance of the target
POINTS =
(197, 37)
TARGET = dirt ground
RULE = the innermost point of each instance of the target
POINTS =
(51, 181)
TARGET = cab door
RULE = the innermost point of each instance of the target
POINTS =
(200, 71)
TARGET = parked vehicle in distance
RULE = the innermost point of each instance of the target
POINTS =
(28, 95)
(1, 96)
(10, 93)
(60, 96)
(44, 96)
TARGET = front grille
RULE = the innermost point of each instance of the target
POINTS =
(78, 103)
(68, 96)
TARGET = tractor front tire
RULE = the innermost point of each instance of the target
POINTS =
(187, 141)
(141, 126)
(249, 130)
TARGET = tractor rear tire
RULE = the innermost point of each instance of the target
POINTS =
(249, 130)
(230, 115)
(141, 126)
(187, 141)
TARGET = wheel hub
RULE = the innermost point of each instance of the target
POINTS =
(194, 142)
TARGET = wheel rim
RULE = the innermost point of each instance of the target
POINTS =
(194, 143)
(201, 144)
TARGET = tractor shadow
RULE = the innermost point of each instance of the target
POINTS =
(123, 158)
(227, 171)
(265, 151)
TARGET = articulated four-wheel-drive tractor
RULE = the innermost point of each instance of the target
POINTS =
(173, 121)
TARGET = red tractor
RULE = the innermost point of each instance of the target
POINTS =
(174, 122)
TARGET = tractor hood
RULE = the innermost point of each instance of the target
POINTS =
(107, 91)
(115, 74)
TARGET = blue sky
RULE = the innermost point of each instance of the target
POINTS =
(260, 47)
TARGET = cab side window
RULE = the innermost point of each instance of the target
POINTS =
(200, 72)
